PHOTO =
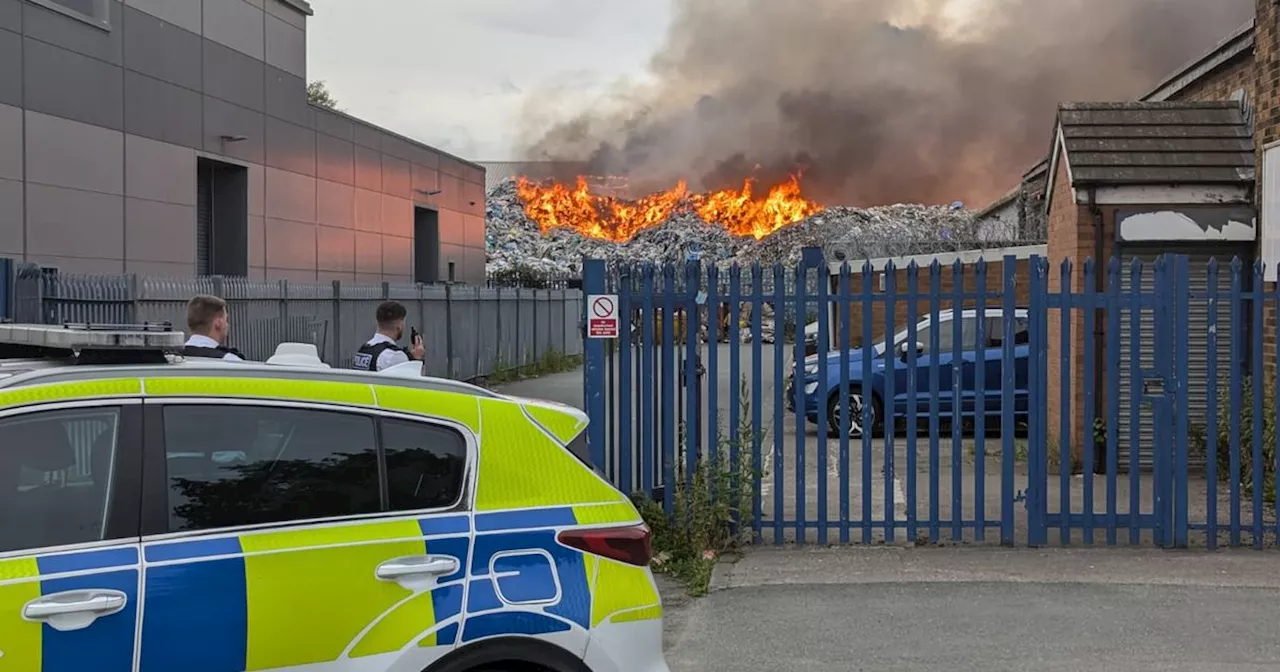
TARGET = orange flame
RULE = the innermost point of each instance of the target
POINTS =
(558, 206)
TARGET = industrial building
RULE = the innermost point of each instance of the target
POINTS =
(174, 137)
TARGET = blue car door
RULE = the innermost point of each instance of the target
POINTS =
(994, 362)
(938, 348)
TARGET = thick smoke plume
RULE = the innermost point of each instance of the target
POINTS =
(876, 101)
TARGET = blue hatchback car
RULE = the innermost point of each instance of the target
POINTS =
(822, 396)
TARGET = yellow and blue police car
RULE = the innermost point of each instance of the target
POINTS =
(170, 515)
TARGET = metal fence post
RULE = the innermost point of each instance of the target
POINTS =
(284, 310)
(337, 322)
(448, 331)
(497, 312)
(386, 291)
(133, 298)
(534, 350)
(594, 282)
(519, 353)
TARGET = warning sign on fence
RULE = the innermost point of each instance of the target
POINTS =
(602, 316)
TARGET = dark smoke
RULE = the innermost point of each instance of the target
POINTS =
(876, 101)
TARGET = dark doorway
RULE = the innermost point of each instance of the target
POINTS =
(222, 218)
(426, 245)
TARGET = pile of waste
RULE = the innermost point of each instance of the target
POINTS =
(513, 240)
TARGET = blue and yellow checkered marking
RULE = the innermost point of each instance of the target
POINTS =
(277, 598)
(34, 647)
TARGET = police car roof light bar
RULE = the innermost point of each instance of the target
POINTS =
(89, 343)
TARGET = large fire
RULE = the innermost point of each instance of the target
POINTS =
(741, 212)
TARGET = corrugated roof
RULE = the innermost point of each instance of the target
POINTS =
(1157, 143)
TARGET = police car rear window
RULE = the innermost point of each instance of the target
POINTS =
(578, 446)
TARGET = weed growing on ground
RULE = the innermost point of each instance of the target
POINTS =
(1245, 446)
(711, 511)
(552, 361)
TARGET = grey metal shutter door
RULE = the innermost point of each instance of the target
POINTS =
(1198, 311)
(1198, 339)
(204, 218)
(1146, 360)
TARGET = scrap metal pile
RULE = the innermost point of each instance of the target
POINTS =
(552, 229)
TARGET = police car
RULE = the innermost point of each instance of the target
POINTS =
(162, 514)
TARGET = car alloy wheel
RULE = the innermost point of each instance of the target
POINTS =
(855, 426)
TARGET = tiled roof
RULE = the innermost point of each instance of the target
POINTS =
(1157, 143)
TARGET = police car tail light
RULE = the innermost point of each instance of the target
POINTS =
(624, 544)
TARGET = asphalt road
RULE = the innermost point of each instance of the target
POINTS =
(981, 609)
(964, 608)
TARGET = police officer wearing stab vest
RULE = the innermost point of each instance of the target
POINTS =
(383, 351)
(207, 322)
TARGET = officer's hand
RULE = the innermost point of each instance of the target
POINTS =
(417, 351)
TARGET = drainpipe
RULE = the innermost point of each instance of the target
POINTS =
(1099, 331)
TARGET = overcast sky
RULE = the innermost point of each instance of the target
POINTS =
(454, 74)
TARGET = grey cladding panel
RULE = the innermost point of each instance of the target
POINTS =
(291, 147)
(162, 111)
(286, 47)
(233, 76)
(10, 143)
(368, 168)
(235, 23)
(222, 118)
(286, 11)
(367, 135)
(88, 89)
(162, 50)
(54, 28)
(11, 15)
(10, 68)
(182, 13)
(287, 98)
(335, 160)
(332, 124)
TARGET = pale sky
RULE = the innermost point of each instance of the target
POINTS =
(455, 73)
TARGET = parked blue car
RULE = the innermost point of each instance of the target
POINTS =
(822, 396)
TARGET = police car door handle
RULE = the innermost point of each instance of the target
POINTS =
(74, 609)
(417, 565)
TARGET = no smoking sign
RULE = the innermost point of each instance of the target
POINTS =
(602, 316)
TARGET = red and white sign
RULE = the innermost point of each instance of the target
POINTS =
(602, 316)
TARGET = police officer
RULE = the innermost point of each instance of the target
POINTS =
(382, 351)
(207, 322)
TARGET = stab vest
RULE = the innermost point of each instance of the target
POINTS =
(212, 353)
(366, 358)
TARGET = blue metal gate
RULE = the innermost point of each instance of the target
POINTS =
(945, 403)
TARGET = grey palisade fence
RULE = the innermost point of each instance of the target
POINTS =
(469, 332)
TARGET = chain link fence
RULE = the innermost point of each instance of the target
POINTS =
(469, 332)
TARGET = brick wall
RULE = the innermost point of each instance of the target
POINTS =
(947, 282)
(1266, 110)
(1222, 82)
(1070, 237)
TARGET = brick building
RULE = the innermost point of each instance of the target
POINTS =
(1209, 136)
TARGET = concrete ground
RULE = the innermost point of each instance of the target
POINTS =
(880, 488)
(990, 609)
